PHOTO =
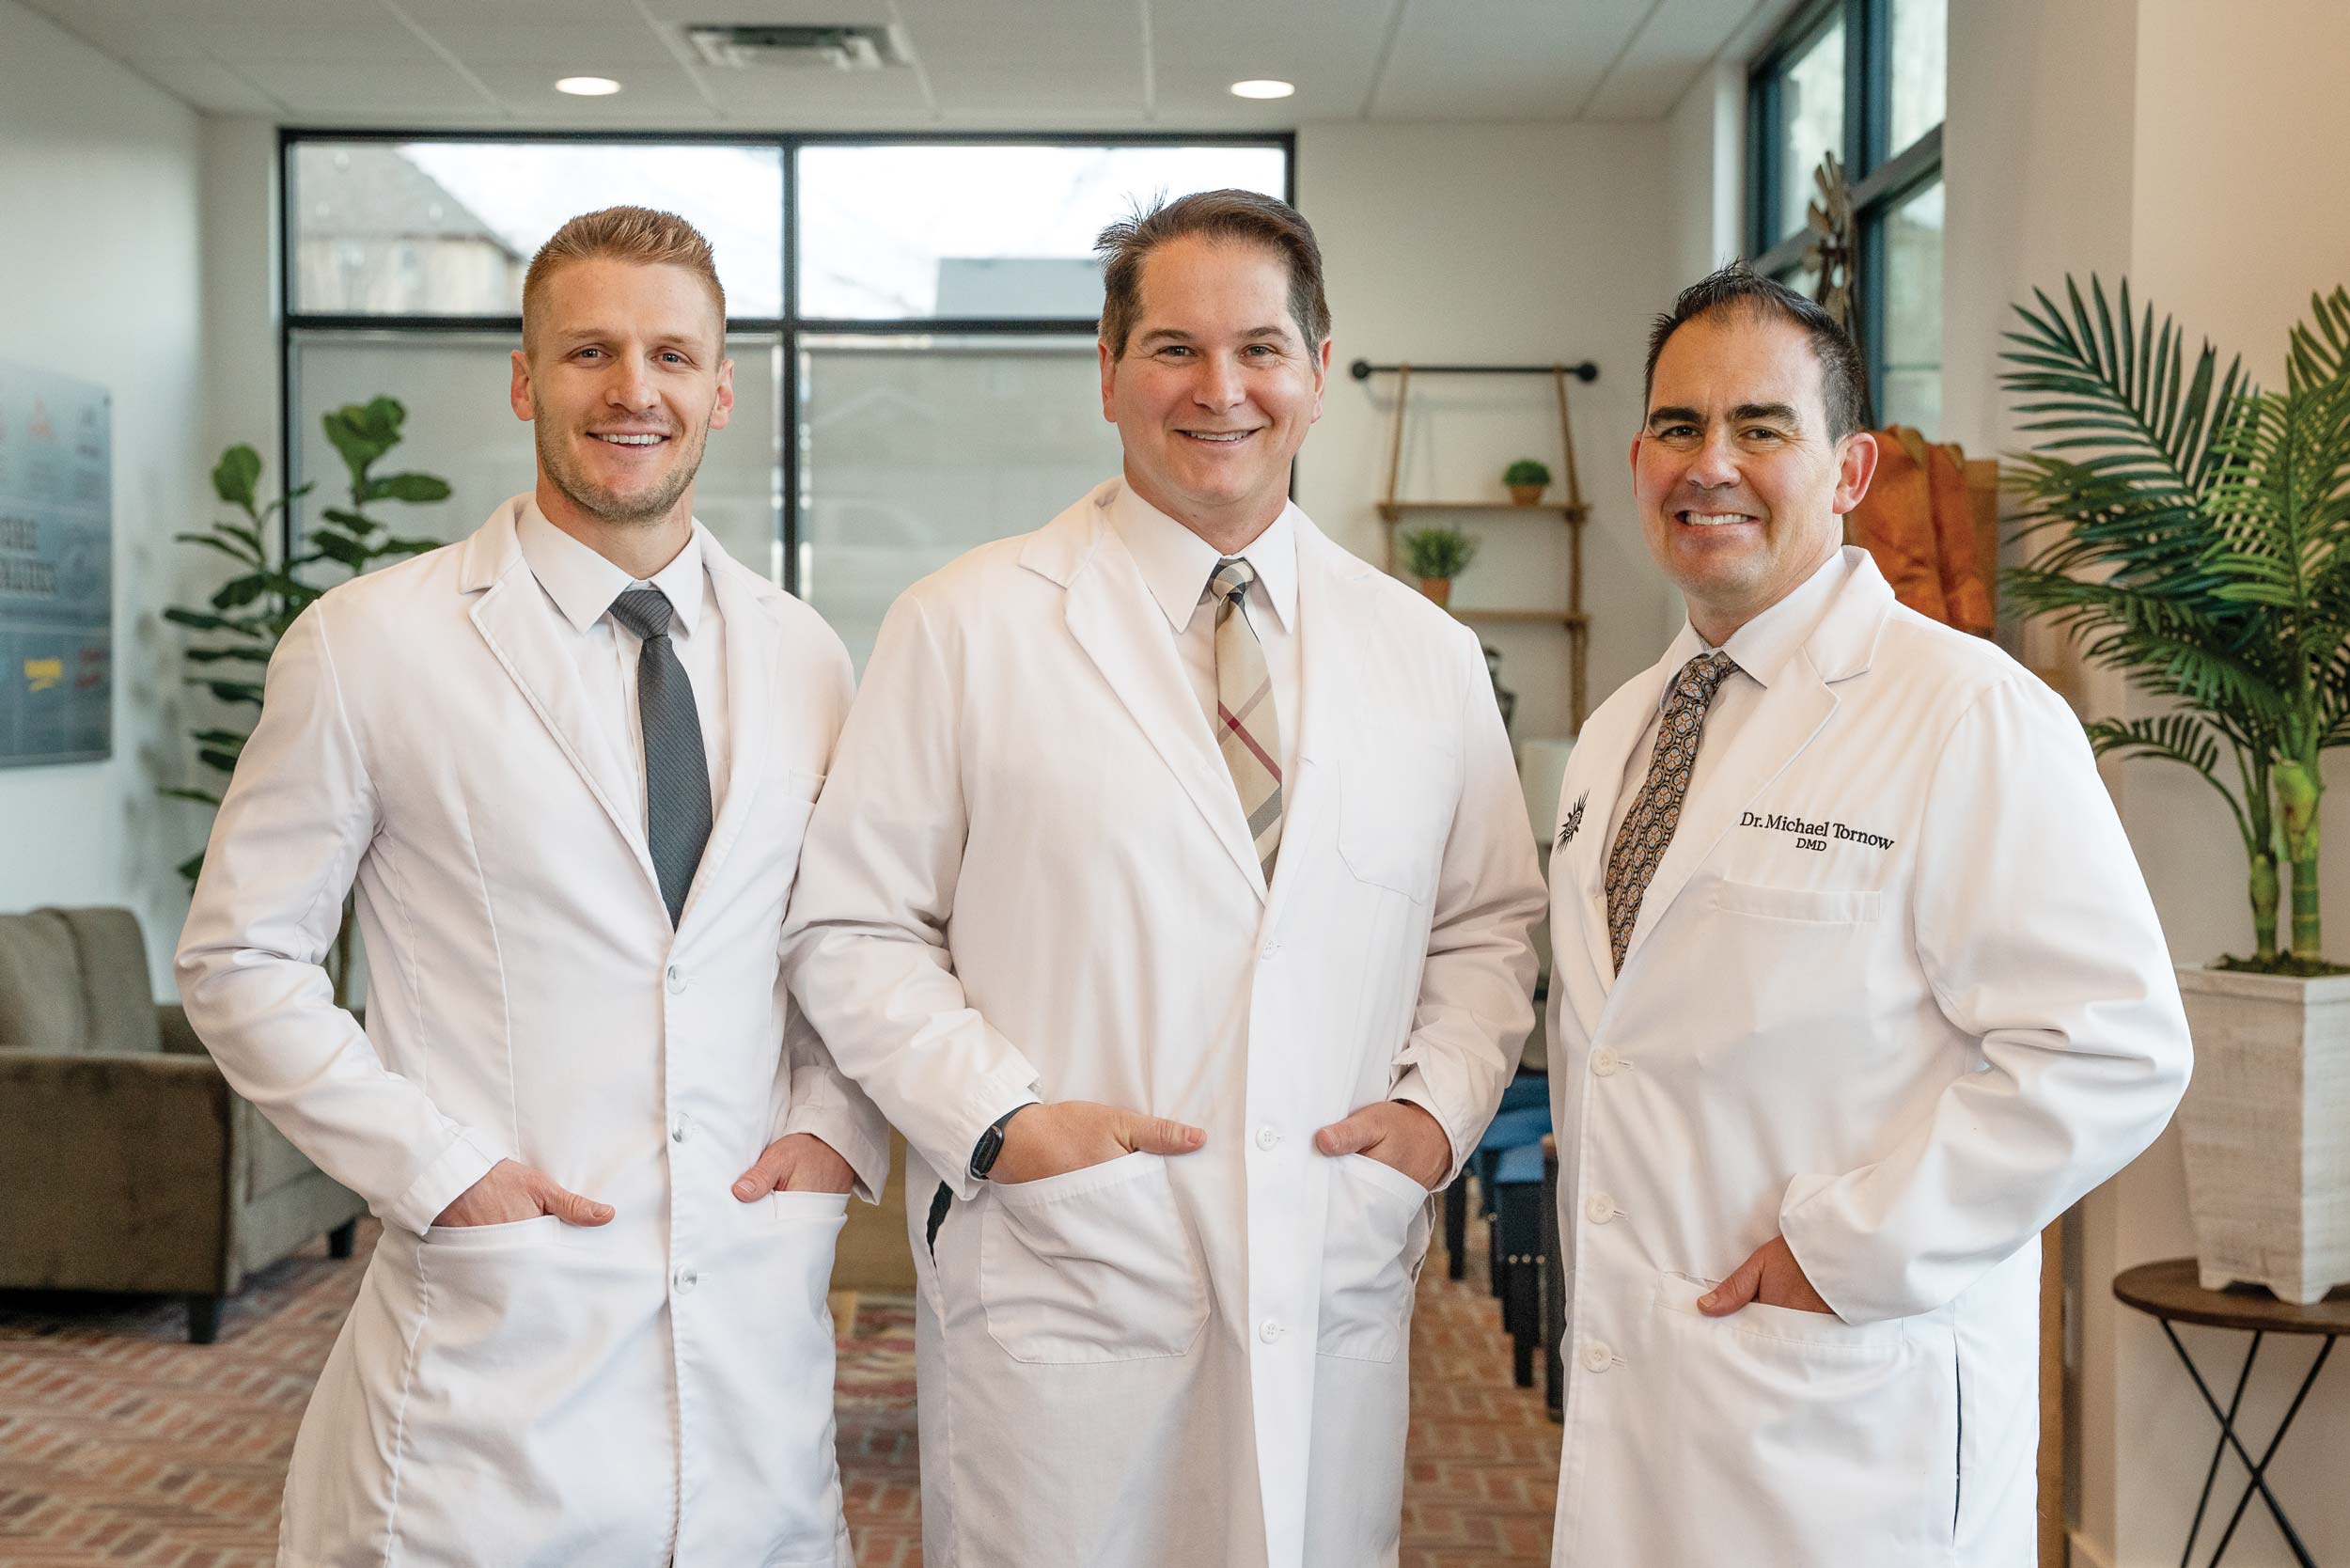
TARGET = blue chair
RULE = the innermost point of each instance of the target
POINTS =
(1524, 1117)
(1518, 1251)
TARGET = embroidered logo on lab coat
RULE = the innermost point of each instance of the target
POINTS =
(1574, 820)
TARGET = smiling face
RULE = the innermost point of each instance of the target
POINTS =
(1216, 388)
(623, 375)
(1741, 489)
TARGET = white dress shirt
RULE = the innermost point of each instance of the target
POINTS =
(1761, 647)
(1176, 565)
(582, 586)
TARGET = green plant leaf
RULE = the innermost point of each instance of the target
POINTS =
(191, 868)
(215, 656)
(358, 523)
(234, 477)
(229, 691)
(240, 590)
(203, 797)
(349, 552)
(418, 488)
(225, 761)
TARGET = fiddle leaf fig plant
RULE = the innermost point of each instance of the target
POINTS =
(2192, 532)
(237, 627)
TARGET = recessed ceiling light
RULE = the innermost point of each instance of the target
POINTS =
(1263, 88)
(588, 87)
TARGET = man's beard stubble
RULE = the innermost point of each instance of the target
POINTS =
(601, 504)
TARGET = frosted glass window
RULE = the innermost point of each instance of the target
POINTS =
(1811, 123)
(915, 449)
(460, 428)
(1920, 42)
(447, 228)
(1002, 230)
(1912, 389)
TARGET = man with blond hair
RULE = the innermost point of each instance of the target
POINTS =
(565, 764)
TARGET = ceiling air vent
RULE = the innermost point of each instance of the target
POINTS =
(745, 46)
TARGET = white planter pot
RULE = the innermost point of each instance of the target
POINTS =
(2267, 1127)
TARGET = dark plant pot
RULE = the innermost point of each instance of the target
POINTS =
(1439, 590)
(1527, 494)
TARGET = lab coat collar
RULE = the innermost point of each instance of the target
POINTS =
(1081, 550)
(1761, 647)
(1176, 563)
(513, 618)
(1839, 643)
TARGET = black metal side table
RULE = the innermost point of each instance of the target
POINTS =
(2167, 1292)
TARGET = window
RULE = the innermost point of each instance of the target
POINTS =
(1864, 79)
(911, 320)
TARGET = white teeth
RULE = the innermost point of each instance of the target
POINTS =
(1714, 518)
(1221, 438)
(632, 440)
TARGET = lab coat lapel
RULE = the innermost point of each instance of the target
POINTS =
(1328, 692)
(1794, 708)
(518, 621)
(751, 633)
(1605, 748)
(1106, 604)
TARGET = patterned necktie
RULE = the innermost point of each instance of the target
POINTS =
(677, 771)
(1248, 730)
(1647, 827)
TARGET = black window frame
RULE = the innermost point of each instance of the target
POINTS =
(790, 328)
(1882, 177)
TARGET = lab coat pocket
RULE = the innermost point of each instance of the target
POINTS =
(1396, 797)
(1833, 1441)
(1818, 905)
(1091, 1265)
(756, 1366)
(501, 1446)
(800, 784)
(1373, 1239)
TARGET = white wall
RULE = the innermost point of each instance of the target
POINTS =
(2155, 139)
(1500, 244)
(99, 184)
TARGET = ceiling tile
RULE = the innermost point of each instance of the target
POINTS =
(1504, 60)
(209, 85)
(1328, 48)
(310, 89)
(1681, 38)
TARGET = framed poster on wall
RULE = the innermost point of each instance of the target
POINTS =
(57, 568)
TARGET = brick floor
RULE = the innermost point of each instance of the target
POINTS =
(122, 1445)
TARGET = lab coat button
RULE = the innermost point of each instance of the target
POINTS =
(1268, 1138)
(1269, 1331)
(1269, 949)
(676, 1134)
(677, 980)
(1599, 1208)
(1605, 1062)
(686, 1280)
(1597, 1358)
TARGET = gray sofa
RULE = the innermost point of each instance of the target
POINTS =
(126, 1161)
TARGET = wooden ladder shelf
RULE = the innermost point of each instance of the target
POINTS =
(1393, 510)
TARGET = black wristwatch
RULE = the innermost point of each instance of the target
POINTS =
(992, 1143)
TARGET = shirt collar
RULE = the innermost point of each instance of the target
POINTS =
(583, 584)
(1176, 563)
(1763, 645)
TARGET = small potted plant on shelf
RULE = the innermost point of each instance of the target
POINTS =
(1435, 556)
(1526, 479)
(2193, 531)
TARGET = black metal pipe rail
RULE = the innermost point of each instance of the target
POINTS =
(1363, 369)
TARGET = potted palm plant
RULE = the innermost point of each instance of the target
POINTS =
(2193, 532)
(1435, 556)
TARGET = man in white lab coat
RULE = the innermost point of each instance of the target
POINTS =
(568, 763)
(1856, 987)
(1172, 897)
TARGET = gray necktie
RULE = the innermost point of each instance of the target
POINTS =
(677, 772)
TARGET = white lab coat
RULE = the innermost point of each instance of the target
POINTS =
(1906, 1052)
(535, 1395)
(1031, 879)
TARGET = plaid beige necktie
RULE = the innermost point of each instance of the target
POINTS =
(1647, 827)
(1248, 727)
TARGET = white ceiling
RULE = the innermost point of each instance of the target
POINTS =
(1101, 65)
